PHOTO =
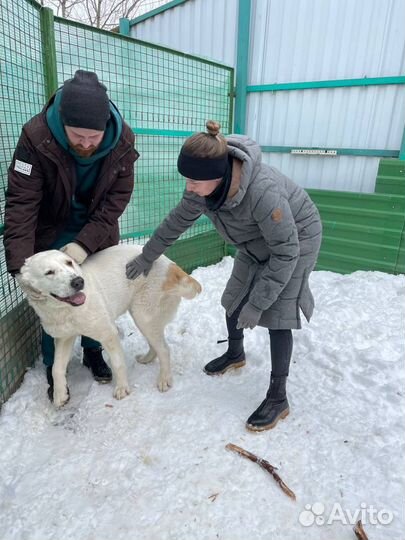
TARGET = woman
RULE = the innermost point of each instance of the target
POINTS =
(277, 231)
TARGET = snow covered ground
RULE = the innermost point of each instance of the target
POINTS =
(154, 466)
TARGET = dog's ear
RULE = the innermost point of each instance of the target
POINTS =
(22, 277)
(23, 280)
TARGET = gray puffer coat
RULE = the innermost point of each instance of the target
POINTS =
(276, 229)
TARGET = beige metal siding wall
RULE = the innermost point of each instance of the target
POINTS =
(315, 40)
(307, 40)
(206, 28)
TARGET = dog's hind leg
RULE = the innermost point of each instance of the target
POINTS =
(148, 357)
(113, 347)
(63, 350)
(153, 330)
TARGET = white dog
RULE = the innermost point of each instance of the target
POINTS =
(74, 300)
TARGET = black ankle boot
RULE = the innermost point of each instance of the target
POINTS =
(232, 359)
(272, 409)
(49, 378)
(93, 359)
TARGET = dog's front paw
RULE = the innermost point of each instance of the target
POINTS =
(121, 391)
(61, 398)
(164, 382)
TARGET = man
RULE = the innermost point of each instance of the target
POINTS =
(70, 179)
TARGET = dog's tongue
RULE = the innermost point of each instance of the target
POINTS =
(77, 299)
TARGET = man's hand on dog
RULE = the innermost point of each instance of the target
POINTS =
(75, 251)
(138, 266)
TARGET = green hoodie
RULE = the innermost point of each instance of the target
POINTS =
(87, 169)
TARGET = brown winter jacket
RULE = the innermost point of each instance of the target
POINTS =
(38, 204)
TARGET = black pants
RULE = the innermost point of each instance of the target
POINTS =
(281, 343)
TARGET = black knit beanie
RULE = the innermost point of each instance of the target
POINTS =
(84, 102)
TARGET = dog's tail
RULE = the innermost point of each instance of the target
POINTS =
(180, 283)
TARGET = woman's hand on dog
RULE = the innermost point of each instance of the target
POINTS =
(138, 266)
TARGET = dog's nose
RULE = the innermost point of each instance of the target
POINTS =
(77, 283)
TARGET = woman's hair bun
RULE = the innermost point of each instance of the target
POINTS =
(213, 127)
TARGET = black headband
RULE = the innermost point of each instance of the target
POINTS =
(197, 168)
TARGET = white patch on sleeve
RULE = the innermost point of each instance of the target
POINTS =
(22, 167)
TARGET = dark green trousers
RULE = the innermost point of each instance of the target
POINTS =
(48, 347)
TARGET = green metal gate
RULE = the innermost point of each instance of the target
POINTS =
(164, 96)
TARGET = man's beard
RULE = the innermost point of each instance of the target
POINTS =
(83, 152)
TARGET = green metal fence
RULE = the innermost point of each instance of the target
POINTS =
(163, 95)
(22, 94)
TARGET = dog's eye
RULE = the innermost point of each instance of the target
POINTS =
(50, 273)
(69, 263)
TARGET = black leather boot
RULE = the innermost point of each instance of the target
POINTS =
(49, 378)
(274, 408)
(93, 359)
(232, 359)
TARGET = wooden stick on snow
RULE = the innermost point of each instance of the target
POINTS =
(359, 531)
(264, 465)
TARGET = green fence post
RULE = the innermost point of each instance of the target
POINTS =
(49, 51)
(402, 148)
(124, 27)
(242, 61)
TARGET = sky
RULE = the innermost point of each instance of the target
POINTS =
(78, 12)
